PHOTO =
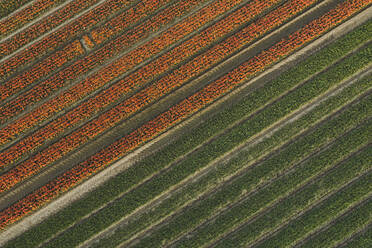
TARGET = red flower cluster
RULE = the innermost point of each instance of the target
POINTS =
(56, 39)
(29, 34)
(83, 65)
(179, 112)
(140, 78)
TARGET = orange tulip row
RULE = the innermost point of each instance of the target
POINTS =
(58, 38)
(78, 137)
(34, 31)
(28, 77)
(14, 85)
(179, 112)
(174, 79)
(136, 79)
(87, 63)
(27, 14)
(124, 20)
(109, 72)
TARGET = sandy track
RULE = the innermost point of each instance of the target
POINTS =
(159, 142)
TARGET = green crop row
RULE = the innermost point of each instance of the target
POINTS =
(277, 164)
(218, 147)
(301, 199)
(148, 166)
(363, 239)
(324, 211)
(343, 226)
(295, 179)
(357, 191)
(214, 177)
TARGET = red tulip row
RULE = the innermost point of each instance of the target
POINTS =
(82, 135)
(34, 31)
(179, 112)
(14, 85)
(176, 78)
(90, 61)
(114, 69)
(27, 14)
(71, 51)
(59, 37)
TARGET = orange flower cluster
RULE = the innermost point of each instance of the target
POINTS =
(29, 34)
(83, 65)
(88, 42)
(59, 37)
(143, 75)
(42, 69)
(90, 130)
(25, 15)
(179, 112)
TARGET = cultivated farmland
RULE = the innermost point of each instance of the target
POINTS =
(193, 123)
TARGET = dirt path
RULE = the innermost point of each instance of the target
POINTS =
(159, 142)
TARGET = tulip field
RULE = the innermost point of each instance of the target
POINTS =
(193, 123)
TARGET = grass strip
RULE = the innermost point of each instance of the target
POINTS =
(325, 211)
(287, 208)
(342, 227)
(247, 182)
(223, 144)
(215, 176)
(288, 183)
(362, 240)
(152, 164)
